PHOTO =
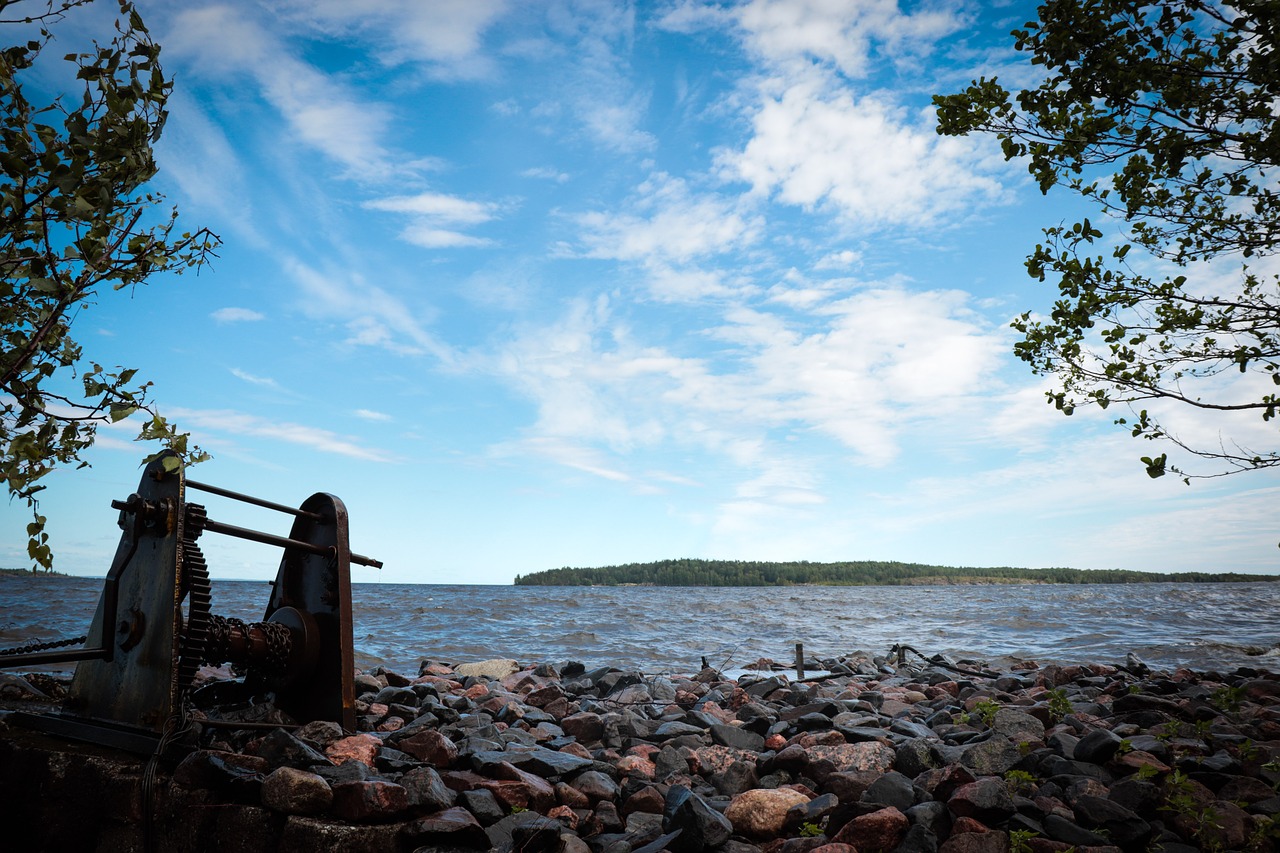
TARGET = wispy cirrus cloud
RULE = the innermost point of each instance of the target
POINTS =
(235, 423)
(444, 36)
(435, 217)
(319, 109)
(237, 315)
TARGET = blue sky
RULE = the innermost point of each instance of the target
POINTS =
(530, 285)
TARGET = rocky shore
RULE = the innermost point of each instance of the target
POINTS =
(870, 756)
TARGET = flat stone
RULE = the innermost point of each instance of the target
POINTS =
(493, 670)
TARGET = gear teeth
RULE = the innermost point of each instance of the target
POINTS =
(199, 599)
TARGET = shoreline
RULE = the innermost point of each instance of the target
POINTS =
(937, 755)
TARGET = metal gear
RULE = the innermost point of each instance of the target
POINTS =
(195, 580)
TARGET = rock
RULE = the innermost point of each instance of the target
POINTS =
(1112, 820)
(891, 789)
(280, 747)
(762, 813)
(994, 757)
(293, 791)
(700, 825)
(1017, 726)
(363, 748)
(451, 828)
(855, 756)
(1097, 747)
(427, 791)
(489, 669)
(877, 832)
(737, 738)
(371, 801)
(595, 786)
(239, 777)
(986, 800)
(976, 842)
(431, 746)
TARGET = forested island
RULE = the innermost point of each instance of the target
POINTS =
(690, 572)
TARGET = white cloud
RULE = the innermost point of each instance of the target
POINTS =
(240, 423)
(863, 371)
(371, 415)
(429, 237)
(840, 32)
(322, 112)
(429, 212)
(436, 206)
(373, 316)
(444, 35)
(237, 315)
(667, 222)
(546, 173)
(870, 163)
(264, 381)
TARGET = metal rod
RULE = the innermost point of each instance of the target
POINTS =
(281, 541)
(32, 658)
(250, 499)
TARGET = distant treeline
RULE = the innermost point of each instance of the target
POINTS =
(859, 573)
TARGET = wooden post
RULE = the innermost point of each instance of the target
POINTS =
(799, 661)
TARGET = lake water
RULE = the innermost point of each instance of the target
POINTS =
(654, 629)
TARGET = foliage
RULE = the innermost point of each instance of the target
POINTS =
(1162, 115)
(1019, 780)
(1019, 840)
(1227, 698)
(809, 829)
(1059, 704)
(986, 711)
(690, 572)
(74, 219)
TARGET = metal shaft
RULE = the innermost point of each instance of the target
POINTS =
(281, 541)
(250, 499)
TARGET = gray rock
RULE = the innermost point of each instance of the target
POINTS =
(1119, 824)
(994, 757)
(1097, 747)
(892, 789)
(737, 738)
(700, 825)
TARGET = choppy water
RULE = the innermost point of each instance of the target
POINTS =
(1206, 626)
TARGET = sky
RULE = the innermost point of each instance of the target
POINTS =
(563, 283)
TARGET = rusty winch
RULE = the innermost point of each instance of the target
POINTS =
(153, 628)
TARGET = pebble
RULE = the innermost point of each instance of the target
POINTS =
(933, 757)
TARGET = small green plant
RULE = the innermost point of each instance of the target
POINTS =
(1146, 772)
(987, 710)
(1227, 699)
(1024, 747)
(1248, 750)
(1125, 747)
(1202, 728)
(1168, 731)
(809, 829)
(1265, 831)
(1018, 781)
(1018, 839)
(961, 719)
(1135, 688)
(1059, 704)
(518, 809)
